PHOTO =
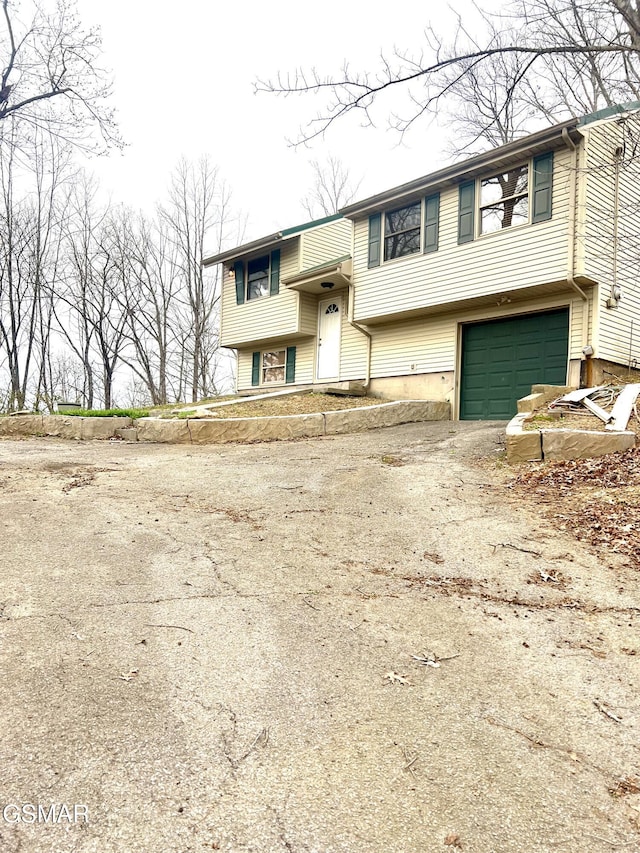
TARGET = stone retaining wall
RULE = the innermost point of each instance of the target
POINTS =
(556, 444)
(224, 430)
(59, 426)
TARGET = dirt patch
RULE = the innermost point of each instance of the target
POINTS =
(543, 420)
(597, 500)
(295, 404)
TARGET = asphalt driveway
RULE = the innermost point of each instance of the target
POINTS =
(356, 643)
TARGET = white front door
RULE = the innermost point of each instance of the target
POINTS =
(329, 322)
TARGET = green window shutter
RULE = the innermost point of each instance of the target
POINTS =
(466, 211)
(255, 369)
(291, 365)
(274, 285)
(239, 272)
(375, 222)
(431, 222)
(542, 187)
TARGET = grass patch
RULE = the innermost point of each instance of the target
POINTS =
(106, 413)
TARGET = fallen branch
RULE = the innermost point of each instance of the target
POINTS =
(601, 706)
(515, 548)
(177, 627)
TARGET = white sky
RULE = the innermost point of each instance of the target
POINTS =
(184, 75)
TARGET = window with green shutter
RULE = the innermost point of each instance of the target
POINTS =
(255, 369)
(274, 287)
(431, 222)
(238, 269)
(542, 189)
(466, 211)
(374, 239)
(291, 365)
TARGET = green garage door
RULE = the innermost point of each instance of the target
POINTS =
(502, 359)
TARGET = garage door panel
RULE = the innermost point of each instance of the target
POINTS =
(501, 359)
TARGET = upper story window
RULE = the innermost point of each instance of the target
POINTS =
(257, 277)
(407, 230)
(504, 200)
(402, 231)
(517, 196)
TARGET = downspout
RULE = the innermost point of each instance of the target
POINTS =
(586, 348)
(572, 215)
(614, 295)
(367, 334)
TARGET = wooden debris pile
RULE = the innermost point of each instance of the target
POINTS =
(620, 403)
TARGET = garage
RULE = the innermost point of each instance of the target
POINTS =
(502, 359)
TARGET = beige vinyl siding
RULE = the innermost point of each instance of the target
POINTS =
(617, 336)
(264, 318)
(305, 355)
(430, 344)
(309, 313)
(325, 243)
(353, 351)
(507, 260)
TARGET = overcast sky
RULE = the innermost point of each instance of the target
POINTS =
(184, 85)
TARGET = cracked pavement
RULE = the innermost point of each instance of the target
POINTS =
(211, 648)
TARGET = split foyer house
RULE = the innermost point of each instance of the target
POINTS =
(516, 266)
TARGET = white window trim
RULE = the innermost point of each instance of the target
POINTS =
(479, 234)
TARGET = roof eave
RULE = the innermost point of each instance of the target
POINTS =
(240, 251)
(456, 171)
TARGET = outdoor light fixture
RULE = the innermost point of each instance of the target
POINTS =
(326, 284)
(616, 296)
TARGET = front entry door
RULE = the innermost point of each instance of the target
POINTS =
(329, 321)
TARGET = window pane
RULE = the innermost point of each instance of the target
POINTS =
(258, 277)
(505, 214)
(514, 182)
(273, 359)
(402, 244)
(402, 219)
(516, 212)
(273, 374)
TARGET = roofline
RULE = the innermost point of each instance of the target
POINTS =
(270, 240)
(459, 170)
(262, 243)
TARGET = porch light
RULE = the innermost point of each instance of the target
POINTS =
(326, 284)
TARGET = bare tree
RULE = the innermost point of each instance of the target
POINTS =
(50, 77)
(555, 57)
(30, 213)
(148, 257)
(198, 210)
(331, 189)
(90, 316)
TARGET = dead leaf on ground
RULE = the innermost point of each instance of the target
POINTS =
(395, 678)
(453, 840)
(625, 785)
(395, 461)
(128, 676)
(435, 558)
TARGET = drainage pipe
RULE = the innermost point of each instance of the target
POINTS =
(573, 189)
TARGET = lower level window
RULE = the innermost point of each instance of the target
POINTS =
(273, 366)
